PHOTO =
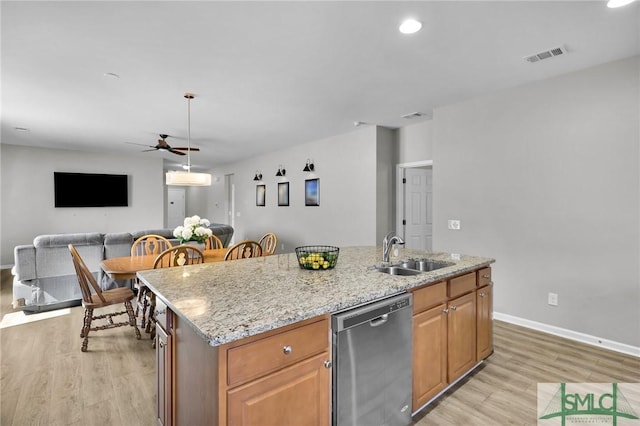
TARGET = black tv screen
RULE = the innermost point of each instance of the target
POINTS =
(90, 190)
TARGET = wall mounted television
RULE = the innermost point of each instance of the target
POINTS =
(90, 190)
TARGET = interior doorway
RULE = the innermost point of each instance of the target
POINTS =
(414, 208)
(175, 207)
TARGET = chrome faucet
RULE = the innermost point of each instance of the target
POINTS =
(388, 241)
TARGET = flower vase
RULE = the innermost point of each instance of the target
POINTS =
(196, 244)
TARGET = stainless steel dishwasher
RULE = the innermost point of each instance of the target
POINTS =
(372, 364)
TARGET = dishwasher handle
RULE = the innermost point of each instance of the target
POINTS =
(379, 321)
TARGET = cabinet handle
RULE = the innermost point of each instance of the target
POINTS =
(445, 311)
(327, 364)
(486, 276)
(481, 295)
(454, 307)
(287, 350)
(160, 343)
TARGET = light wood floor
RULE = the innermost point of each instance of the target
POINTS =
(46, 380)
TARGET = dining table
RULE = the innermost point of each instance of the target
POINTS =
(126, 267)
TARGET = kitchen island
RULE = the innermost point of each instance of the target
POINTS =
(219, 322)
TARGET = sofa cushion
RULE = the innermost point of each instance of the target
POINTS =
(63, 240)
(167, 233)
(117, 244)
(53, 258)
(223, 231)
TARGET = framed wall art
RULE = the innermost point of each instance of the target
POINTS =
(283, 193)
(312, 192)
(260, 195)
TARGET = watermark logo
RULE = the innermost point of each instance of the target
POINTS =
(616, 404)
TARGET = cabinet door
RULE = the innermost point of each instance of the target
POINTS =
(429, 354)
(297, 395)
(484, 320)
(461, 326)
(163, 377)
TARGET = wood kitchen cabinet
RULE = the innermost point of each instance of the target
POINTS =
(451, 333)
(461, 335)
(164, 366)
(429, 354)
(461, 325)
(284, 377)
(296, 395)
(484, 317)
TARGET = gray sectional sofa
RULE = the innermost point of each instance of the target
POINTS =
(44, 277)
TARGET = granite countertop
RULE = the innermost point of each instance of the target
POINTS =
(226, 301)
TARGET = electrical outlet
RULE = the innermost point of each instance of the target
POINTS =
(282, 246)
(553, 299)
(455, 256)
(453, 224)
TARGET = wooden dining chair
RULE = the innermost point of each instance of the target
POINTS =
(184, 254)
(181, 255)
(269, 243)
(100, 299)
(213, 242)
(146, 245)
(243, 250)
(150, 244)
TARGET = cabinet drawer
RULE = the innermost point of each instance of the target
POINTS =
(462, 284)
(162, 315)
(484, 277)
(429, 296)
(272, 353)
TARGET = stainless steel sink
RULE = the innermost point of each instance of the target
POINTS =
(397, 270)
(412, 267)
(424, 265)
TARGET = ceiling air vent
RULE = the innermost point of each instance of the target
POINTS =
(414, 115)
(556, 51)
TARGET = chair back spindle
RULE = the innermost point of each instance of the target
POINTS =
(244, 250)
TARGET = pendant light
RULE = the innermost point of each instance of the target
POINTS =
(188, 178)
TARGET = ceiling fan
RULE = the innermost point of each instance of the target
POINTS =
(162, 145)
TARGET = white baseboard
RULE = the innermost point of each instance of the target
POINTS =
(570, 334)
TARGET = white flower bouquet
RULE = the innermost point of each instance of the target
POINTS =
(194, 229)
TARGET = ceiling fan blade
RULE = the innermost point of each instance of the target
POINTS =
(147, 150)
(184, 148)
(176, 152)
(141, 144)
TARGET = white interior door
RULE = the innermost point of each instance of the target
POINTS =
(175, 207)
(418, 191)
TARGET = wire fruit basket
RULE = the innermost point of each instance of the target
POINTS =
(317, 257)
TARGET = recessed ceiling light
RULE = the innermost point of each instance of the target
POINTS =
(111, 75)
(410, 26)
(618, 3)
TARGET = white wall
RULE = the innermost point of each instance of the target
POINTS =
(546, 179)
(415, 142)
(346, 167)
(386, 159)
(28, 200)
